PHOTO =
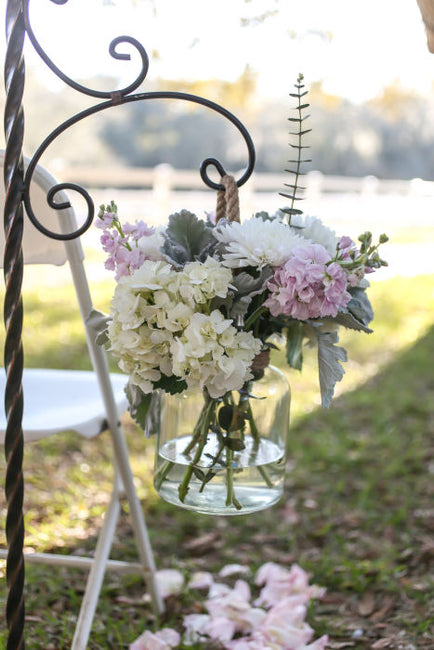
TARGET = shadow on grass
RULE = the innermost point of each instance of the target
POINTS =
(357, 514)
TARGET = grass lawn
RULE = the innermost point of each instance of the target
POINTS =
(358, 510)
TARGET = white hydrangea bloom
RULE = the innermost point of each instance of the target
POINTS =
(161, 326)
(202, 359)
(257, 243)
(151, 245)
(200, 282)
(313, 229)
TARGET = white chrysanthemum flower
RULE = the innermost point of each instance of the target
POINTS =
(256, 242)
(314, 230)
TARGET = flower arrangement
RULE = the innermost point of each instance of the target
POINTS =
(199, 304)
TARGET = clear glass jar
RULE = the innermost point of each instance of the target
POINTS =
(224, 456)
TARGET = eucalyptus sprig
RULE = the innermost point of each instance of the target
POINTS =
(298, 147)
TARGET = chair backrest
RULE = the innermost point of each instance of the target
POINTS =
(37, 247)
(40, 249)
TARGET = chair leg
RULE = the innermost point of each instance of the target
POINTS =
(96, 574)
(139, 526)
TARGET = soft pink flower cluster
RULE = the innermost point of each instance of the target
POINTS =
(309, 284)
(122, 245)
(274, 621)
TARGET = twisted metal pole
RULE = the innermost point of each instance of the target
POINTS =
(13, 317)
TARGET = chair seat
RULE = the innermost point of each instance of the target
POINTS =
(63, 400)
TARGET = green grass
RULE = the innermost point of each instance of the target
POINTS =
(357, 511)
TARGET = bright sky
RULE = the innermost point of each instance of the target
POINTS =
(373, 42)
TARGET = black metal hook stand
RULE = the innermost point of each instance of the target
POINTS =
(17, 186)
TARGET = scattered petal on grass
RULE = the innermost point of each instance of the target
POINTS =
(201, 580)
(164, 639)
(221, 629)
(169, 582)
(278, 624)
(233, 569)
(195, 627)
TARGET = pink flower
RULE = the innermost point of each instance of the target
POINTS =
(308, 285)
(105, 221)
(345, 246)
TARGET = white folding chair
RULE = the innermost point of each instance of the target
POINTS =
(87, 402)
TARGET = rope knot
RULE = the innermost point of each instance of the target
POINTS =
(228, 205)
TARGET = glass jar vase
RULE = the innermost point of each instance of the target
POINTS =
(224, 456)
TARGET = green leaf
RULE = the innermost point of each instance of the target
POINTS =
(231, 418)
(172, 384)
(294, 344)
(236, 444)
(187, 238)
(198, 473)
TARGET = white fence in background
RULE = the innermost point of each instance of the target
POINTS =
(402, 209)
(163, 179)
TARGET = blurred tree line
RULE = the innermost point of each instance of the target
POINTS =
(391, 136)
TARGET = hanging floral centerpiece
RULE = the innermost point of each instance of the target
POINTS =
(195, 312)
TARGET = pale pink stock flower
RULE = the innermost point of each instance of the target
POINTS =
(308, 285)
(345, 246)
(164, 639)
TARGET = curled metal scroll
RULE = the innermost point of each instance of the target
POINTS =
(116, 98)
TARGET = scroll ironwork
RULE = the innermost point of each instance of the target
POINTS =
(17, 187)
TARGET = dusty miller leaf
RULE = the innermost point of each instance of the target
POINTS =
(187, 238)
(246, 288)
(139, 404)
(98, 322)
(346, 319)
(330, 357)
(359, 305)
